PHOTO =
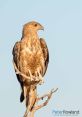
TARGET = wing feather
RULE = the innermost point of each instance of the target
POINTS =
(16, 52)
(45, 52)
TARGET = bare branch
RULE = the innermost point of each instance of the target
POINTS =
(46, 95)
(46, 102)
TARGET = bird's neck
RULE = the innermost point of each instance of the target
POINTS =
(30, 34)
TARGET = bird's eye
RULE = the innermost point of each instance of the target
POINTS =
(35, 25)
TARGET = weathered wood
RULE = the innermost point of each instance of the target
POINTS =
(36, 106)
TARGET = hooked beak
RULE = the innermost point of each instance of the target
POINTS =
(41, 27)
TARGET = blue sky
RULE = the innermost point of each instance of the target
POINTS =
(62, 20)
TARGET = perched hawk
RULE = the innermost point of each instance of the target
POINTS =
(31, 57)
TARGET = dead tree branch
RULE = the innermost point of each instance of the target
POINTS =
(46, 102)
(36, 107)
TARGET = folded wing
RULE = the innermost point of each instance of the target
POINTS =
(45, 53)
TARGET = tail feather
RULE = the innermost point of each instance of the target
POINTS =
(22, 97)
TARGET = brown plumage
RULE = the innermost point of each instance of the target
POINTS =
(31, 57)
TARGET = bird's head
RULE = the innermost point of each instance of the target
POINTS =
(32, 27)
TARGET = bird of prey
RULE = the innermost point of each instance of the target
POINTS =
(31, 58)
